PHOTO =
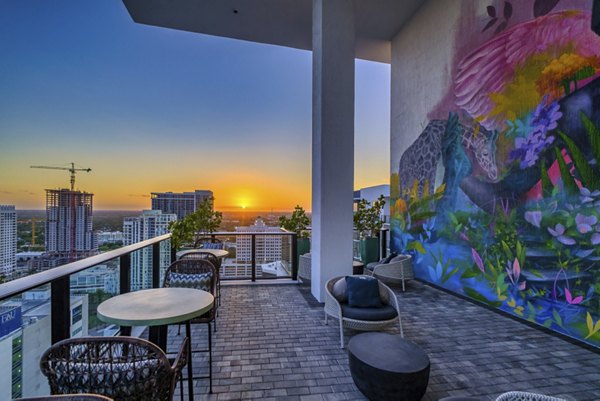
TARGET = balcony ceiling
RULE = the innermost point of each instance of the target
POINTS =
(278, 22)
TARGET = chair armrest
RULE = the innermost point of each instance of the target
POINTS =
(182, 357)
(332, 305)
(390, 295)
(401, 269)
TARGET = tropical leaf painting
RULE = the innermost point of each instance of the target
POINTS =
(516, 224)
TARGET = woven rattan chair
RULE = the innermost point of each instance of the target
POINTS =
(123, 368)
(68, 397)
(333, 308)
(525, 396)
(200, 254)
(396, 271)
(202, 275)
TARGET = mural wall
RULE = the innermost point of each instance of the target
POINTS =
(496, 190)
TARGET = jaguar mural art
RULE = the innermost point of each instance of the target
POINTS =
(501, 200)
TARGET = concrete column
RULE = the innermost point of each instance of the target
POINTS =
(332, 141)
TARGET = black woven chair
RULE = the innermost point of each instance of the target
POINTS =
(200, 254)
(202, 275)
(68, 397)
(123, 368)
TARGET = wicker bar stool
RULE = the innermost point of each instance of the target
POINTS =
(199, 274)
(199, 254)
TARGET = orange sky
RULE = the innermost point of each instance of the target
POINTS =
(155, 110)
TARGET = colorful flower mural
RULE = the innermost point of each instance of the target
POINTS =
(515, 220)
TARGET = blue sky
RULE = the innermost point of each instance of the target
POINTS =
(153, 109)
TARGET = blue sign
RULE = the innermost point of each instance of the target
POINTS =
(10, 320)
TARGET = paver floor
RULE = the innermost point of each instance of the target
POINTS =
(271, 344)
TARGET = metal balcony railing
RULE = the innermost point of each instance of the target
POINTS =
(30, 320)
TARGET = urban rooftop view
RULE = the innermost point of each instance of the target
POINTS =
(300, 200)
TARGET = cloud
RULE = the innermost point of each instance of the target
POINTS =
(138, 196)
(30, 193)
(5, 192)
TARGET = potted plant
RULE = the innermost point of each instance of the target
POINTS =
(368, 223)
(298, 222)
(205, 220)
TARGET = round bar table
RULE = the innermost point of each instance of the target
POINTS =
(157, 308)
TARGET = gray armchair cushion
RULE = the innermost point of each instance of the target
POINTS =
(386, 260)
(386, 312)
(398, 258)
(371, 266)
(339, 290)
(389, 258)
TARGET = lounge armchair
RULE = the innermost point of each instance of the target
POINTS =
(397, 270)
(365, 319)
(512, 396)
(525, 396)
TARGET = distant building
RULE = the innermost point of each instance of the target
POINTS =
(105, 237)
(180, 204)
(46, 261)
(23, 257)
(371, 194)
(69, 230)
(103, 277)
(268, 247)
(25, 327)
(150, 224)
(8, 240)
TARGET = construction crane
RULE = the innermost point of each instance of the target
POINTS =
(71, 169)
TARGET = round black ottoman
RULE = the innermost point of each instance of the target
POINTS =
(387, 367)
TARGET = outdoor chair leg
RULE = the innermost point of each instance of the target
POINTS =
(188, 333)
(210, 359)
(400, 324)
(403, 289)
(181, 385)
(326, 319)
(341, 335)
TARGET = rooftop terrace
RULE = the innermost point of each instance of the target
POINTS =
(271, 344)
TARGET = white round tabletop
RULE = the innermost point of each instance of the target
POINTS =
(155, 307)
(219, 253)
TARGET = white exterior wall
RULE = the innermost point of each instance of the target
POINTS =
(8, 239)
(268, 248)
(36, 339)
(6, 376)
(332, 141)
(422, 57)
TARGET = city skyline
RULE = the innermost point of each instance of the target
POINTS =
(158, 110)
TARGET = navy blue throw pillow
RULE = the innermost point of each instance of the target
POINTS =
(390, 257)
(363, 292)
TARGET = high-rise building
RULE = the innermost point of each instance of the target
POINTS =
(268, 247)
(149, 224)
(8, 240)
(69, 230)
(180, 204)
